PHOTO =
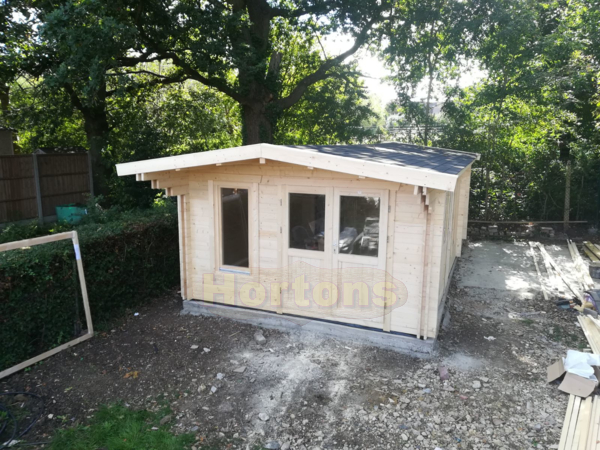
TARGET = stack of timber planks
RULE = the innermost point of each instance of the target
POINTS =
(581, 427)
(582, 271)
(592, 251)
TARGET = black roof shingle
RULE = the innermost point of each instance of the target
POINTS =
(438, 160)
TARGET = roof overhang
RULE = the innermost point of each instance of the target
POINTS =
(354, 166)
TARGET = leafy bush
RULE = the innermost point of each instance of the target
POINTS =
(126, 260)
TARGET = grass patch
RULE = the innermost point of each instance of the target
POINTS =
(119, 428)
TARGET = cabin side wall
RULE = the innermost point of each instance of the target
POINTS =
(415, 263)
(453, 231)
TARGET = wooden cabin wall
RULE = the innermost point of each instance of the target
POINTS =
(455, 226)
(423, 271)
(417, 259)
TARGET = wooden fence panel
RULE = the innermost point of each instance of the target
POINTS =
(17, 188)
(63, 178)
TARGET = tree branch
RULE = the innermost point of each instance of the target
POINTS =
(137, 72)
(163, 81)
(289, 14)
(75, 100)
(132, 61)
(216, 83)
(321, 72)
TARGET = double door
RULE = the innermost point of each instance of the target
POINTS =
(334, 252)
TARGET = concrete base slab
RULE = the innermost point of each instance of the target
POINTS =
(397, 342)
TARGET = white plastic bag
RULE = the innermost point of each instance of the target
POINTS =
(580, 363)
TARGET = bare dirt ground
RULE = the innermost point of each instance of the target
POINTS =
(303, 391)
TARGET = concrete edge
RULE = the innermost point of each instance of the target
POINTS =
(400, 343)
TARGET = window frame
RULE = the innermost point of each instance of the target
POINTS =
(252, 227)
(384, 211)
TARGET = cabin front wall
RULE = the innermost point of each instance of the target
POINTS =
(418, 245)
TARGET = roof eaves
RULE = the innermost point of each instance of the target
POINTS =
(190, 160)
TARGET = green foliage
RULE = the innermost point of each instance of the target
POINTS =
(119, 428)
(128, 257)
(43, 117)
(534, 110)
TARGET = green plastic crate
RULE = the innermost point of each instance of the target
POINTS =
(71, 213)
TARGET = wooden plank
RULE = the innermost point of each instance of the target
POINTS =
(590, 254)
(179, 190)
(213, 224)
(82, 283)
(595, 443)
(389, 266)
(424, 290)
(583, 423)
(565, 429)
(84, 294)
(591, 332)
(539, 274)
(44, 355)
(36, 241)
(586, 279)
(593, 429)
(181, 216)
(573, 289)
(592, 248)
(254, 221)
(573, 424)
(281, 242)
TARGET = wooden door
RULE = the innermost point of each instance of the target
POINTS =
(307, 245)
(360, 219)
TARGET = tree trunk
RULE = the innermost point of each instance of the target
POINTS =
(4, 98)
(96, 130)
(487, 191)
(257, 126)
(567, 195)
(427, 107)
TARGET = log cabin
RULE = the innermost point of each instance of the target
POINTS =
(364, 236)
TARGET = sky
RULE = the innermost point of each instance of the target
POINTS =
(375, 72)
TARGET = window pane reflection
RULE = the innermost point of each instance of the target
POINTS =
(234, 226)
(359, 225)
(307, 221)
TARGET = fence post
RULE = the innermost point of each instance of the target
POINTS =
(38, 191)
(90, 173)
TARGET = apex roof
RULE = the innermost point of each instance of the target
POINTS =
(431, 167)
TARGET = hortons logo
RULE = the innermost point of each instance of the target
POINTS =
(303, 289)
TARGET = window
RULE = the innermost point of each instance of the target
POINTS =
(359, 225)
(307, 221)
(234, 227)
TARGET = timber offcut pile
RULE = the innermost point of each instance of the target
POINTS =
(581, 427)
(577, 285)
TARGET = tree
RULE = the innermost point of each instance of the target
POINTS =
(73, 47)
(426, 44)
(237, 46)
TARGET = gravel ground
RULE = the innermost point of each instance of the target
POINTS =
(303, 391)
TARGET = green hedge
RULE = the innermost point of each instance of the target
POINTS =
(126, 262)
